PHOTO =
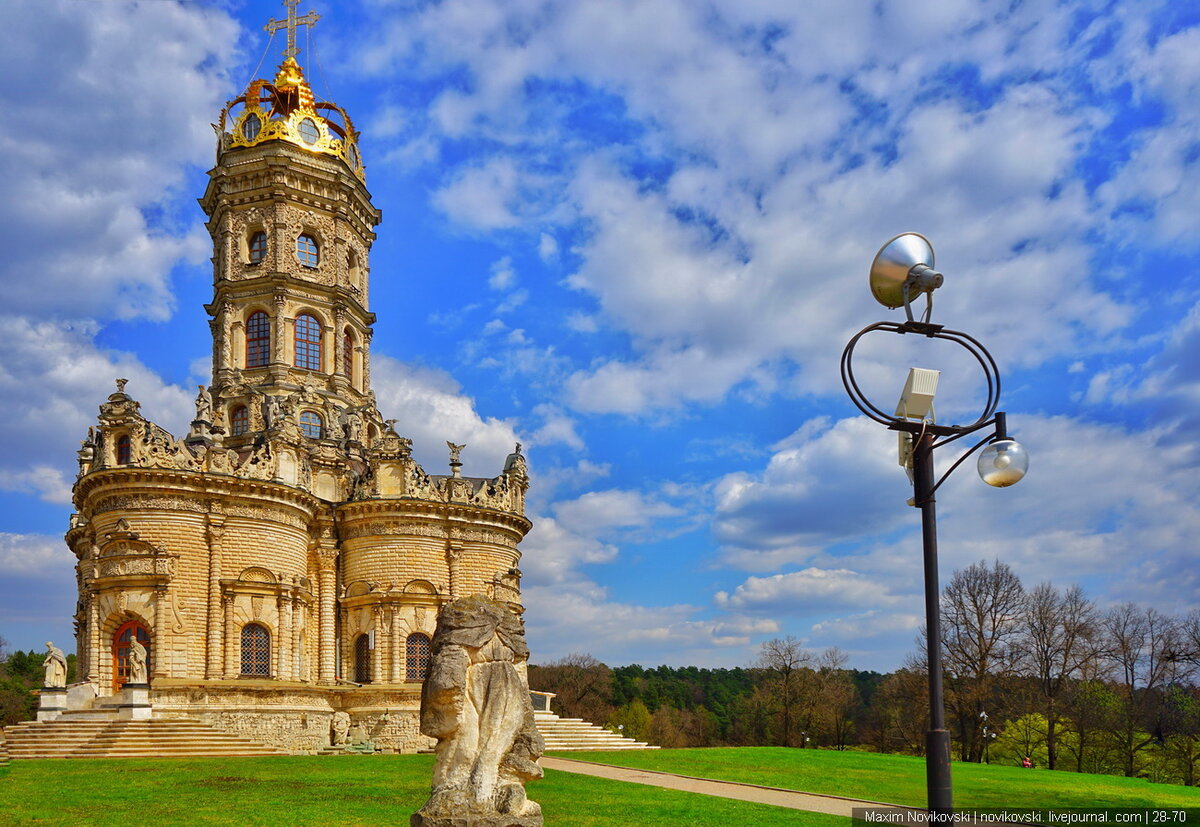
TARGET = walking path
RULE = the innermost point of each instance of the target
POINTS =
(831, 804)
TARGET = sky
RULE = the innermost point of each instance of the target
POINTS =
(635, 236)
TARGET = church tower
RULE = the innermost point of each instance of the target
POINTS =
(285, 560)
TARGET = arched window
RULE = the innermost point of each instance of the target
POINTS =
(239, 420)
(416, 657)
(362, 659)
(306, 250)
(308, 342)
(124, 450)
(348, 355)
(121, 646)
(256, 650)
(311, 424)
(352, 267)
(258, 339)
(257, 246)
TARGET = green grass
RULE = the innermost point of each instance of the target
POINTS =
(899, 779)
(336, 790)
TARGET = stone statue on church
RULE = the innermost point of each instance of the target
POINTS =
(137, 662)
(339, 734)
(56, 667)
(203, 405)
(475, 701)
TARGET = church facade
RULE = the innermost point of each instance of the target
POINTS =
(286, 559)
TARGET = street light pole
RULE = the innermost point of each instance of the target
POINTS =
(903, 271)
(937, 739)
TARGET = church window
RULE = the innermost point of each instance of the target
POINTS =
(308, 342)
(306, 250)
(308, 131)
(311, 424)
(122, 640)
(362, 659)
(256, 650)
(124, 450)
(352, 267)
(258, 339)
(251, 127)
(240, 420)
(348, 355)
(258, 246)
(416, 657)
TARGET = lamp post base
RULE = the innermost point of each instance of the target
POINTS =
(937, 771)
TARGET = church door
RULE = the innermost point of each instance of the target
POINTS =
(121, 651)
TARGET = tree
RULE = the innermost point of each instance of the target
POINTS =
(582, 685)
(781, 660)
(981, 613)
(1057, 642)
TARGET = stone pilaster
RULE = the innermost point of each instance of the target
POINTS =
(213, 665)
(397, 647)
(326, 584)
(232, 667)
(285, 670)
(380, 646)
(159, 645)
(93, 656)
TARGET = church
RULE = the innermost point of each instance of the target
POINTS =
(284, 561)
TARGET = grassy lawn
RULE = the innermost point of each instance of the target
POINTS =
(318, 791)
(898, 779)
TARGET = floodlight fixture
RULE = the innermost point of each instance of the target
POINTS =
(902, 271)
(916, 400)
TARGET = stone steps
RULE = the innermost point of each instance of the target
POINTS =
(577, 734)
(156, 738)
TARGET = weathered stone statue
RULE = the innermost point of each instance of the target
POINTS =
(137, 661)
(56, 667)
(339, 734)
(475, 701)
(204, 404)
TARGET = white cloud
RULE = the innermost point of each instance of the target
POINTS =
(503, 276)
(482, 197)
(809, 591)
(35, 554)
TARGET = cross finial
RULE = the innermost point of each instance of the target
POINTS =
(290, 24)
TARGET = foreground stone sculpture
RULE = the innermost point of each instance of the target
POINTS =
(137, 662)
(476, 703)
(56, 667)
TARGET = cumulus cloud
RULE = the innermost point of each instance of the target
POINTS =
(35, 554)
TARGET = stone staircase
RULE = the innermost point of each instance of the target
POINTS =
(155, 738)
(577, 734)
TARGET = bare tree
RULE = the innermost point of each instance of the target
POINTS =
(582, 684)
(981, 610)
(1140, 647)
(1057, 643)
(782, 660)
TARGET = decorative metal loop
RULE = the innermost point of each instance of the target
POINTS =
(990, 371)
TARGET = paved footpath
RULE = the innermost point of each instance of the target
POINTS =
(831, 804)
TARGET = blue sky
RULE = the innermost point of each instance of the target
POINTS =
(635, 236)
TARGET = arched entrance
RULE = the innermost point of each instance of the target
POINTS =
(120, 651)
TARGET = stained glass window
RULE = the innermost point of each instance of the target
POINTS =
(308, 342)
(256, 650)
(258, 339)
(416, 657)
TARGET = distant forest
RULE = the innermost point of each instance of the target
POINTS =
(1040, 673)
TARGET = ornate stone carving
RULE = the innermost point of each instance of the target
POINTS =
(476, 703)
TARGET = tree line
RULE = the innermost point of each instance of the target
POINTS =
(1043, 673)
(21, 675)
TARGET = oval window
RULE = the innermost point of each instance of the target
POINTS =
(352, 153)
(308, 131)
(251, 127)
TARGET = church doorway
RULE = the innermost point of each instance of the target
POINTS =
(120, 650)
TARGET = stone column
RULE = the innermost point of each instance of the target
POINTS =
(326, 623)
(285, 670)
(297, 628)
(397, 647)
(380, 647)
(366, 360)
(158, 648)
(339, 325)
(453, 553)
(93, 658)
(232, 667)
(278, 343)
(212, 664)
(225, 320)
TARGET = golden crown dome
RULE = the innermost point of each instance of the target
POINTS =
(285, 110)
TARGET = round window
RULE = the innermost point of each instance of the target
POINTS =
(251, 127)
(308, 131)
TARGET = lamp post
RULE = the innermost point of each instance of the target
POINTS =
(901, 272)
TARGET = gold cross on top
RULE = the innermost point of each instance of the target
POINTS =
(290, 24)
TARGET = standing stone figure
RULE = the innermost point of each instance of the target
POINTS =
(475, 701)
(339, 734)
(137, 661)
(203, 404)
(56, 667)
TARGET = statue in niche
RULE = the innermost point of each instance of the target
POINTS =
(56, 667)
(339, 729)
(203, 405)
(475, 702)
(137, 661)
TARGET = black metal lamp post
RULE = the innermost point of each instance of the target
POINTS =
(902, 271)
